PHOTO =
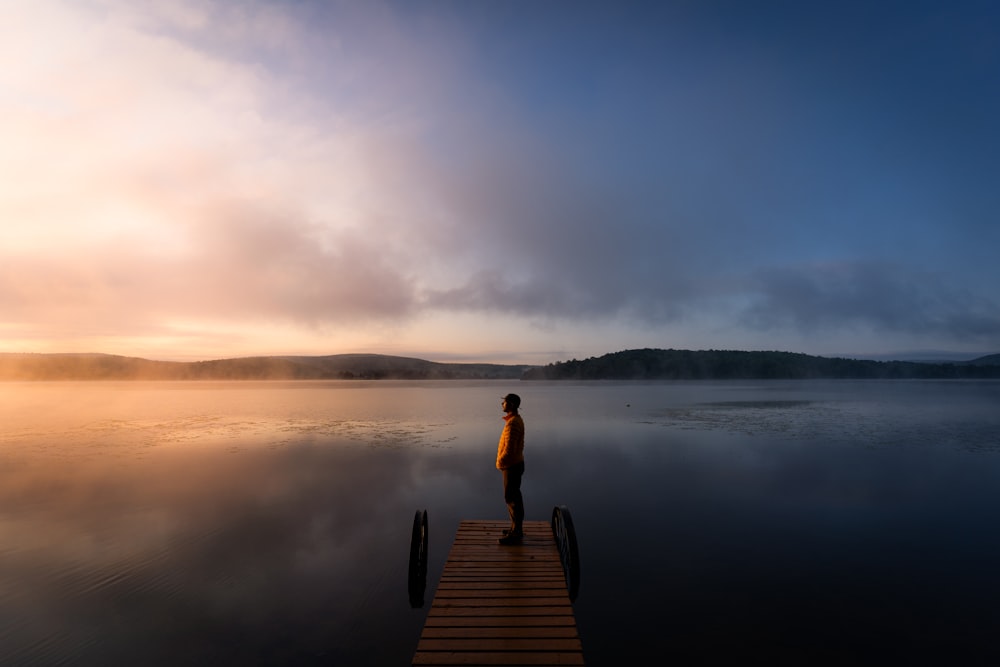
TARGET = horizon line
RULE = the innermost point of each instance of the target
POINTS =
(925, 356)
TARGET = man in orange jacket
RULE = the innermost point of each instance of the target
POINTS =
(510, 461)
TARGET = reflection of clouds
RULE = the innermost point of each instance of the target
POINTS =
(59, 421)
(855, 423)
(217, 547)
(712, 532)
(296, 555)
(128, 437)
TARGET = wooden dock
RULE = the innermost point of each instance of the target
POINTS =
(501, 605)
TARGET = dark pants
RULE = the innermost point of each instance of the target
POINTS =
(512, 495)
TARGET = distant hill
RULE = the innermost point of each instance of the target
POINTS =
(333, 367)
(988, 360)
(655, 364)
(645, 364)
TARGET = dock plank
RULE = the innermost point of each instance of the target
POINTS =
(501, 605)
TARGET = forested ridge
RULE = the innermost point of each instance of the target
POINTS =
(644, 364)
(53, 367)
(670, 364)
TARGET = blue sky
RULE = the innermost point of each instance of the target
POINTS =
(499, 181)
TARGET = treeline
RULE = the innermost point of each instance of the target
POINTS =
(655, 364)
(55, 367)
(646, 364)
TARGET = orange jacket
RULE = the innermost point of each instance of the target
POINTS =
(510, 451)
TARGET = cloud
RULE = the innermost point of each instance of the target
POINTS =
(245, 266)
(253, 265)
(881, 296)
(331, 165)
(150, 178)
(172, 183)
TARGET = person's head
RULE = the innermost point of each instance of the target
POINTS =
(511, 402)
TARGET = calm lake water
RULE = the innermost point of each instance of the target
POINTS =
(847, 523)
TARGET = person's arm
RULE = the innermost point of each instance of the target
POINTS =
(503, 447)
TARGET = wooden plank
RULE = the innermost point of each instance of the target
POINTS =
(443, 658)
(498, 644)
(502, 602)
(482, 583)
(498, 621)
(522, 632)
(501, 611)
(544, 590)
(499, 604)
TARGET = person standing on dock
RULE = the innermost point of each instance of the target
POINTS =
(510, 461)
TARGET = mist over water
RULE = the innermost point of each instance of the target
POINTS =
(268, 523)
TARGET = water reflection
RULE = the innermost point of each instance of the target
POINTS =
(805, 523)
(256, 558)
(736, 546)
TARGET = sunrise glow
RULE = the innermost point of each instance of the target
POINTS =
(190, 180)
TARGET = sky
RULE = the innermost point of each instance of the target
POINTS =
(511, 182)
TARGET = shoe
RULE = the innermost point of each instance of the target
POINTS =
(511, 538)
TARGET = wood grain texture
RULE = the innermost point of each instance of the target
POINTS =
(501, 605)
